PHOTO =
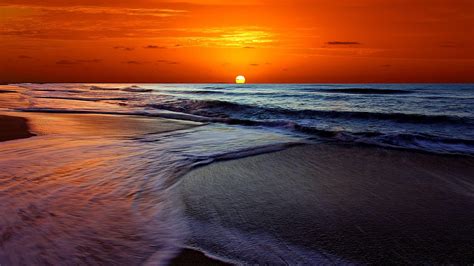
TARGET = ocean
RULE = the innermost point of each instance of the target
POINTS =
(435, 118)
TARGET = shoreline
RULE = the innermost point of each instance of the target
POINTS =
(17, 125)
(316, 193)
(335, 204)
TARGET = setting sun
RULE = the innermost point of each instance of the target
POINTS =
(240, 79)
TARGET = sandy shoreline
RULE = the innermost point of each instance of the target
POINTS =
(306, 204)
(334, 204)
(17, 125)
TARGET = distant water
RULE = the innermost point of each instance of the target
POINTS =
(430, 117)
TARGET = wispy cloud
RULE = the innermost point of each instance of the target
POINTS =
(154, 12)
(83, 22)
(77, 62)
(248, 37)
(124, 48)
(449, 45)
(154, 47)
(134, 62)
(167, 62)
(343, 43)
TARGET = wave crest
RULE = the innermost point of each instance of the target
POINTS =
(219, 108)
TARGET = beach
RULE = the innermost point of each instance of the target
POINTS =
(108, 183)
(330, 204)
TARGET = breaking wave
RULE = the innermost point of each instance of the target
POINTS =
(228, 109)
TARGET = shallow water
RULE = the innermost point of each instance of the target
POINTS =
(80, 196)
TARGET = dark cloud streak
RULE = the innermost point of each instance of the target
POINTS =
(154, 47)
(167, 62)
(343, 43)
(124, 48)
(77, 62)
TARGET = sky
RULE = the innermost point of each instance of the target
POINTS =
(186, 41)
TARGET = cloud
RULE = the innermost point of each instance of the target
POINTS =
(254, 65)
(66, 62)
(448, 45)
(167, 62)
(124, 48)
(24, 57)
(134, 62)
(236, 37)
(343, 43)
(83, 22)
(101, 10)
(131, 62)
(77, 62)
(154, 47)
(90, 61)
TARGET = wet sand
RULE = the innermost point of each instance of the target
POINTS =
(334, 204)
(90, 124)
(12, 127)
(193, 257)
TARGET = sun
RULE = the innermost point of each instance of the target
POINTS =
(240, 79)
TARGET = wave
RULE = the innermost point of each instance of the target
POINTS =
(368, 91)
(133, 88)
(421, 142)
(361, 91)
(162, 114)
(97, 88)
(217, 108)
(214, 88)
(246, 115)
(413, 141)
(58, 90)
(192, 92)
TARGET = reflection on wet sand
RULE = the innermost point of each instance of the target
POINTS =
(333, 204)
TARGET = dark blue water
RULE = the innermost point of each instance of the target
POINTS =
(429, 117)
(434, 117)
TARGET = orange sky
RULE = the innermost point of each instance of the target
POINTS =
(213, 41)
